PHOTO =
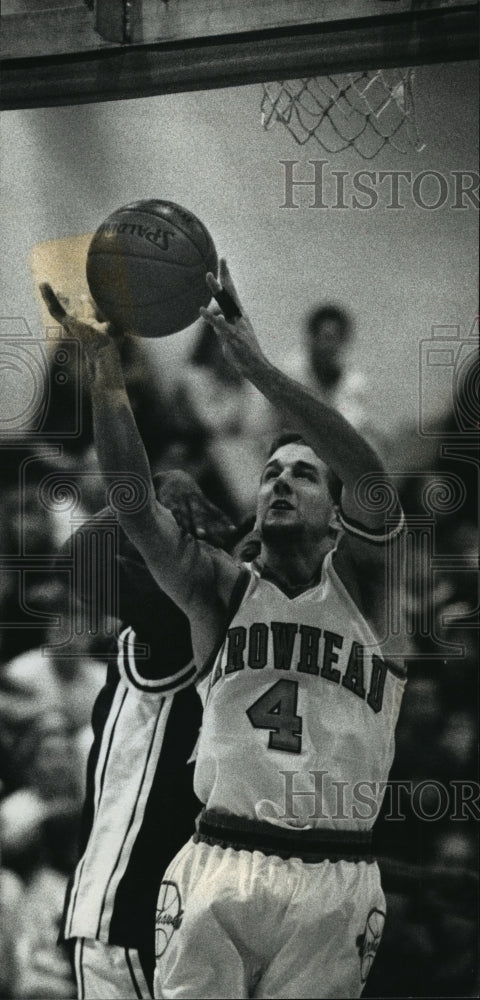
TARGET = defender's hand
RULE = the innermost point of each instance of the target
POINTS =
(192, 511)
(236, 334)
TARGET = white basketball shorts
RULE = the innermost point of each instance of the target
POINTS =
(236, 923)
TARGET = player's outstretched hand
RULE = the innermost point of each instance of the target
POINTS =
(92, 334)
(232, 325)
(178, 491)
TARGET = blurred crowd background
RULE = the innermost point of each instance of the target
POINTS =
(209, 421)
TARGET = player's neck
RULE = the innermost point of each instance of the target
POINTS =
(295, 566)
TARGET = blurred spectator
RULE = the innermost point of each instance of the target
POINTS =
(435, 924)
(429, 943)
(46, 698)
(11, 910)
(458, 743)
(422, 724)
(456, 848)
(39, 823)
(43, 717)
(44, 967)
(25, 531)
(322, 364)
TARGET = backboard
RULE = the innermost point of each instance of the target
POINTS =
(75, 51)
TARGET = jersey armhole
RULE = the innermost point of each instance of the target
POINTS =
(376, 536)
(393, 664)
(132, 677)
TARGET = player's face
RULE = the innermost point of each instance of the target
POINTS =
(293, 495)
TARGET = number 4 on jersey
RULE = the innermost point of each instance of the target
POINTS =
(276, 710)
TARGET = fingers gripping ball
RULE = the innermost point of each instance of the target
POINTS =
(146, 267)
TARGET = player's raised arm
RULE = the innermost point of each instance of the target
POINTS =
(331, 436)
(197, 578)
(120, 448)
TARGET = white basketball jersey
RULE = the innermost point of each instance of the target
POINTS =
(300, 711)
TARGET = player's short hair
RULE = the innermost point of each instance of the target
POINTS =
(334, 484)
(325, 313)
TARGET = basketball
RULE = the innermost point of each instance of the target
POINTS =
(146, 268)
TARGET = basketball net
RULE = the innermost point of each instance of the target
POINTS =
(366, 110)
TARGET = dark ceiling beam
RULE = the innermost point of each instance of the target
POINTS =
(118, 73)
